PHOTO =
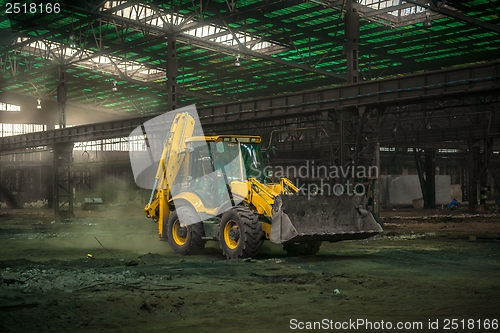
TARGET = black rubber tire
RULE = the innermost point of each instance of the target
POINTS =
(251, 236)
(194, 242)
(302, 249)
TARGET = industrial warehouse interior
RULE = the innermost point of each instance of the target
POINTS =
(249, 166)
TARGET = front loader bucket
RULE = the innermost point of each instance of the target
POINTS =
(334, 218)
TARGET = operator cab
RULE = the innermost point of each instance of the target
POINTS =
(216, 161)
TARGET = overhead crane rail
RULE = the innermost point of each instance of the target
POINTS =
(419, 87)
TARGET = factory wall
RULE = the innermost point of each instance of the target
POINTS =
(108, 175)
(403, 189)
(48, 114)
(102, 174)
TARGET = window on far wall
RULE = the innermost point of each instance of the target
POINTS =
(9, 107)
(16, 129)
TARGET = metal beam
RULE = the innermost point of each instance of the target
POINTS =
(109, 51)
(374, 12)
(430, 86)
(400, 90)
(63, 182)
(180, 91)
(455, 14)
(123, 76)
(188, 39)
(172, 71)
(352, 41)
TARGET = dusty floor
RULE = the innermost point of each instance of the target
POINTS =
(421, 270)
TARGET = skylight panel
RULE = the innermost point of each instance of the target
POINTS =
(211, 32)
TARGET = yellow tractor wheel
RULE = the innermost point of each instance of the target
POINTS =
(240, 233)
(179, 233)
(231, 235)
(184, 231)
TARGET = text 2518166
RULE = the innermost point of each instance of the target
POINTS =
(32, 8)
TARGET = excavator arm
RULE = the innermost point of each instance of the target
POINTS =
(169, 165)
(262, 196)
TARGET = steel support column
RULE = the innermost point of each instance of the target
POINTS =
(48, 179)
(473, 171)
(426, 170)
(62, 92)
(480, 152)
(366, 135)
(352, 40)
(342, 143)
(11, 193)
(376, 184)
(63, 183)
(464, 182)
(369, 154)
(483, 176)
(172, 71)
(430, 179)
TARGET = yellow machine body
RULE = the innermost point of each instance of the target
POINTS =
(221, 190)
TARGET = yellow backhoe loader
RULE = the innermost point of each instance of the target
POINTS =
(216, 188)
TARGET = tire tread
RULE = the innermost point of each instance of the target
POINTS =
(196, 232)
(250, 232)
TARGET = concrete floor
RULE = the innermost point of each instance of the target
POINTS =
(427, 268)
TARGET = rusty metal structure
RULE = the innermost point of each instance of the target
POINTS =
(335, 82)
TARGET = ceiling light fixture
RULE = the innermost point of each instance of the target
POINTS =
(39, 103)
(72, 42)
(237, 62)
